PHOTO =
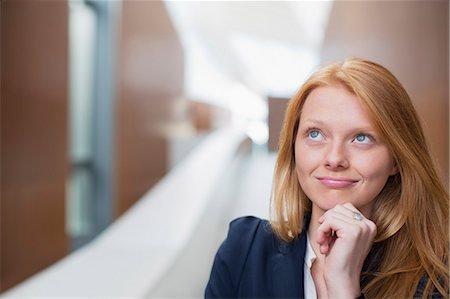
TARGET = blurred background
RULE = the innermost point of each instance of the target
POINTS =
(132, 132)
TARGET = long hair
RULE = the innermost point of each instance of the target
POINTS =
(411, 211)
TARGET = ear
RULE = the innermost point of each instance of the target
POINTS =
(394, 169)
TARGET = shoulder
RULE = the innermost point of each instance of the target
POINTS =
(246, 229)
(245, 226)
(247, 234)
(249, 245)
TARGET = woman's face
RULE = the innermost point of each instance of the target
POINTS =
(340, 156)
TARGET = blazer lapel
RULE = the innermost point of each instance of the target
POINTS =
(287, 269)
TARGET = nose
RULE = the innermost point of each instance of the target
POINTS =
(336, 157)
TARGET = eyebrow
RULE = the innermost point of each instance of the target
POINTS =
(367, 129)
(319, 122)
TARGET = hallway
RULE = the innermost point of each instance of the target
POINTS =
(244, 191)
(165, 244)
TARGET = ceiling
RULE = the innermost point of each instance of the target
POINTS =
(266, 47)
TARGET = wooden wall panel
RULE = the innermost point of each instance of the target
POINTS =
(277, 110)
(411, 38)
(150, 78)
(34, 159)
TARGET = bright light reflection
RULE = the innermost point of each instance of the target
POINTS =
(278, 68)
(249, 112)
(262, 64)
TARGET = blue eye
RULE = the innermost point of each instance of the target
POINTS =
(363, 139)
(315, 135)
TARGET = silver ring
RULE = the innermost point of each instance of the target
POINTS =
(357, 216)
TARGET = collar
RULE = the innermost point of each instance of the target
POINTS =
(310, 255)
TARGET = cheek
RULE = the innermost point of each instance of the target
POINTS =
(306, 160)
(378, 169)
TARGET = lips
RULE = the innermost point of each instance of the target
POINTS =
(337, 182)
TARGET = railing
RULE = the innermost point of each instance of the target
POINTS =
(132, 255)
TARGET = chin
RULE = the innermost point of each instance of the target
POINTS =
(327, 204)
(329, 201)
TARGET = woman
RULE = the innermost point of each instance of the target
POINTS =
(358, 209)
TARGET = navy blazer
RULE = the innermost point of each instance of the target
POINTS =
(253, 263)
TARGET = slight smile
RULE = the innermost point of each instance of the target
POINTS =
(335, 182)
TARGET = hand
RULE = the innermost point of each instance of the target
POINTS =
(345, 242)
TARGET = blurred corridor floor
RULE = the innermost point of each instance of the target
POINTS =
(244, 190)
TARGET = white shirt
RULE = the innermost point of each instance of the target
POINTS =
(310, 257)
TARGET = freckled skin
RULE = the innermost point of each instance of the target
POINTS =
(339, 116)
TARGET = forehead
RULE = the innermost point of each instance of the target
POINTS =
(335, 105)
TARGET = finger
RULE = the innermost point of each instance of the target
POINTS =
(348, 210)
(348, 232)
(345, 209)
(324, 248)
(337, 216)
(352, 211)
(323, 236)
(339, 223)
(366, 223)
(346, 228)
(357, 218)
(327, 245)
